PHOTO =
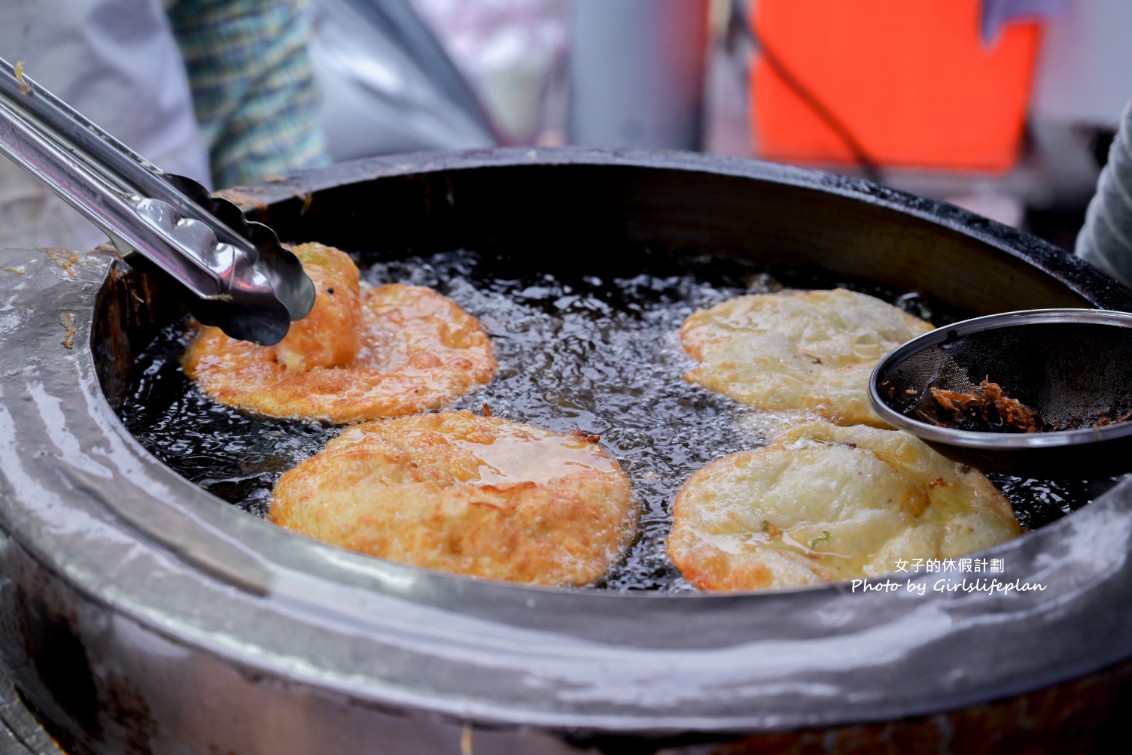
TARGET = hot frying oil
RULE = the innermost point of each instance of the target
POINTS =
(592, 350)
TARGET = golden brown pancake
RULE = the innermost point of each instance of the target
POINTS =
(824, 503)
(478, 496)
(806, 350)
(362, 353)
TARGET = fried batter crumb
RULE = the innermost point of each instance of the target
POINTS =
(64, 258)
(18, 70)
(987, 408)
(67, 320)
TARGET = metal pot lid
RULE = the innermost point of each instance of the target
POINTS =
(87, 502)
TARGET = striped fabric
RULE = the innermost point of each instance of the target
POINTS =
(252, 84)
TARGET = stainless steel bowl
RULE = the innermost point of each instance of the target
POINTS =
(1073, 367)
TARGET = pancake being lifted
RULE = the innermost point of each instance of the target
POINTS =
(479, 496)
(824, 503)
(805, 350)
(362, 353)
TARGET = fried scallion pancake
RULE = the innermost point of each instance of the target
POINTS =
(808, 350)
(479, 496)
(824, 503)
(362, 353)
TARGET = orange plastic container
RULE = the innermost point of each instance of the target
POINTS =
(910, 80)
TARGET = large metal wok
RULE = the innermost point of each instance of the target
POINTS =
(139, 613)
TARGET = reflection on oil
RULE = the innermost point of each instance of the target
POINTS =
(592, 351)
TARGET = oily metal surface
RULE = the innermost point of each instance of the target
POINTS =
(175, 597)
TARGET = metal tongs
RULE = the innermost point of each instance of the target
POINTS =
(235, 272)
